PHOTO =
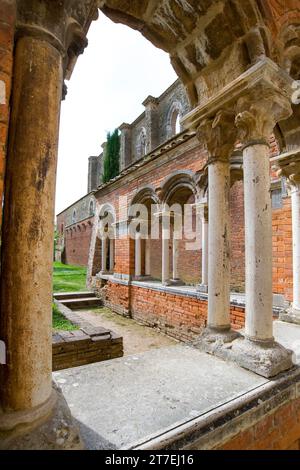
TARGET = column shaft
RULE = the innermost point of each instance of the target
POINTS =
(175, 258)
(218, 251)
(295, 196)
(258, 240)
(104, 255)
(111, 255)
(148, 257)
(138, 255)
(27, 239)
(204, 280)
(165, 253)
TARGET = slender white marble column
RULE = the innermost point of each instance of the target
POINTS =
(260, 109)
(218, 245)
(175, 258)
(138, 255)
(258, 243)
(295, 195)
(204, 277)
(104, 255)
(148, 257)
(165, 277)
(111, 255)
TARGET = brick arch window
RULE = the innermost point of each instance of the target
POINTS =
(142, 143)
(74, 216)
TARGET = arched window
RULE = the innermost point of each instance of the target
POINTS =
(173, 120)
(91, 208)
(142, 144)
(74, 216)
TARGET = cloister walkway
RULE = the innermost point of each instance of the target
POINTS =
(163, 398)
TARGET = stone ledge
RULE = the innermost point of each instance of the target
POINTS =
(213, 429)
(85, 346)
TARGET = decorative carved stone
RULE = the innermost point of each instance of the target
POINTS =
(259, 111)
(218, 135)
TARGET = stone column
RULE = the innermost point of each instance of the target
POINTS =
(258, 113)
(219, 136)
(175, 259)
(104, 249)
(138, 255)
(111, 255)
(165, 271)
(203, 213)
(148, 256)
(27, 238)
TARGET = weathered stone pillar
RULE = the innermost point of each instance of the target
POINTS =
(165, 271)
(148, 256)
(202, 211)
(104, 249)
(175, 259)
(258, 113)
(27, 238)
(219, 136)
(26, 284)
(111, 255)
(138, 255)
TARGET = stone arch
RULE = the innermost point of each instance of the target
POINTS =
(145, 193)
(173, 118)
(179, 180)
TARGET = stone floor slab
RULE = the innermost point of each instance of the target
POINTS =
(126, 400)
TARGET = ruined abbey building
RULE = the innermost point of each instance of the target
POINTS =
(239, 64)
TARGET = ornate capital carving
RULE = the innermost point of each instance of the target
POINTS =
(289, 167)
(62, 23)
(258, 112)
(219, 135)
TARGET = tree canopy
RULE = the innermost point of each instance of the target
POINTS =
(111, 166)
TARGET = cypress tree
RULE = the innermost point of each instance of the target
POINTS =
(111, 164)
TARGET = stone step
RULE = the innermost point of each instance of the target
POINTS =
(74, 304)
(73, 295)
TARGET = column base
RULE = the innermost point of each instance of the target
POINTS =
(202, 288)
(216, 341)
(264, 358)
(176, 282)
(30, 431)
(291, 315)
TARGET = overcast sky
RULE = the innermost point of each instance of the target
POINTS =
(117, 71)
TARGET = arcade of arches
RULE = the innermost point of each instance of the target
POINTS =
(242, 88)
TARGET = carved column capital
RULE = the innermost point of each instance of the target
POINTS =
(62, 23)
(219, 135)
(258, 112)
(289, 167)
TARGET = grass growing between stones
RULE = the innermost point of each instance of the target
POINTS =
(68, 278)
(59, 322)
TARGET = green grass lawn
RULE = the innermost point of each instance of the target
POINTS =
(68, 278)
(59, 322)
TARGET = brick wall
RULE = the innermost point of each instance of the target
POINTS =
(279, 430)
(282, 250)
(77, 243)
(179, 316)
(7, 24)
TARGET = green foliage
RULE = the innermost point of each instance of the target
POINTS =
(111, 164)
(68, 278)
(59, 322)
